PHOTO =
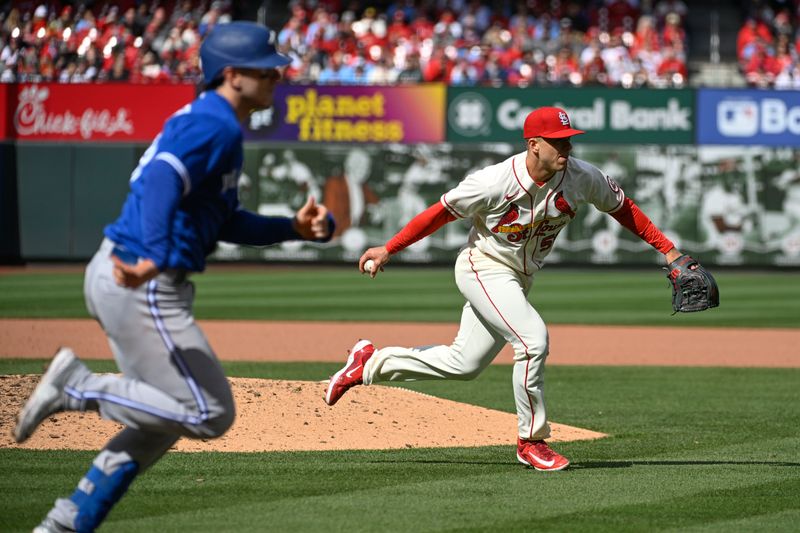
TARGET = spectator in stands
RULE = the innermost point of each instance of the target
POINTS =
(565, 67)
(665, 7)
(335, 71)
(672, 69)
(13, 21)
(646, 36)
(119, 71)
(617, 59)
(39, 19)
(673, 32)
(382, 72)
(463, 73)
(494, 74)
(411, 74)
(752, 30)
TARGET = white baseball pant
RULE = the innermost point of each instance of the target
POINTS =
(497, 311)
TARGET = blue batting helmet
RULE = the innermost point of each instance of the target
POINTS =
(239, 44)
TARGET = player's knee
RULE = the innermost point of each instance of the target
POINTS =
(468, 376)
(468, 372)
(535, 348)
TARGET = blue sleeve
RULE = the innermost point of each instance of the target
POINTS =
(202, 146)
(159, 201)
(246, 227)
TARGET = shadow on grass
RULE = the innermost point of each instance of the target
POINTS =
(628, 464)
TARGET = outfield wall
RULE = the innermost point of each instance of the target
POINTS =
(378, 155)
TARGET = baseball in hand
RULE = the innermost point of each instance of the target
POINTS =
(368, 266)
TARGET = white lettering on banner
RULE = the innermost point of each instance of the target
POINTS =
(776, 118)
(261, 119)
(587, 118)
(511, 115)
(32, 118)
(673, 117)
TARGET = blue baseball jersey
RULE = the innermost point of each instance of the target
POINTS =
(183, 194)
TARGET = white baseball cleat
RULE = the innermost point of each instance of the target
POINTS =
(48, 396)
(352, 373)
(537, 454)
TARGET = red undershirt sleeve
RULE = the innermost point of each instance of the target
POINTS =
(420, 227)
(632, 218)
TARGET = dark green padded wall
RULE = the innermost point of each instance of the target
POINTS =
(44, 181)
(67, 193)
(100, 184)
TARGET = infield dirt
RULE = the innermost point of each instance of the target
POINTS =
(329, 341)
(291, 415)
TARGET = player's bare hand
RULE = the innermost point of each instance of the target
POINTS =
(132, 276)
(311, 220)
(379, 257)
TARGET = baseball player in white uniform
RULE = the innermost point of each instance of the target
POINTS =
(517, 207)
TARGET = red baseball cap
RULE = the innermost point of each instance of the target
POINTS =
(548, 122)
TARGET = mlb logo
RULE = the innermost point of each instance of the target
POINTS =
(737, 118)
(563, 118)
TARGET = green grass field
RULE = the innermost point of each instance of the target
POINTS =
(430, 295)
(690, 449)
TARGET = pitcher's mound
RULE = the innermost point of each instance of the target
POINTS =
(291, 415)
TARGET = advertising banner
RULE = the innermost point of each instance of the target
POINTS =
(724, 205)
(94, 112)
(5, 105)
(352, 114)
(747, 117)
(607, 115)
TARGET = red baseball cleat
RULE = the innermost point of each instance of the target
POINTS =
(539, 455)
(352, 373)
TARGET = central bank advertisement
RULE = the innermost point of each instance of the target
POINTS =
(352, 114)
(609, 116)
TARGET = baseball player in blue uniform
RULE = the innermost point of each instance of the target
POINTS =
(182, 200)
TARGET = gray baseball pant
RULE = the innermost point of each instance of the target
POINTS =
(172, 383)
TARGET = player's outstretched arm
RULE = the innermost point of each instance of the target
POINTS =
(312, 222)
(418, 228)
(631, 217)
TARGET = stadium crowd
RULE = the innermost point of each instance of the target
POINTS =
(621, 43)
(768, 45)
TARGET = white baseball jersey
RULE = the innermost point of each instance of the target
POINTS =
(514, 220)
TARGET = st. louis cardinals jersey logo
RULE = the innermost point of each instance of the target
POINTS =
(562, 205)
(506, 223)
(515, 231)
